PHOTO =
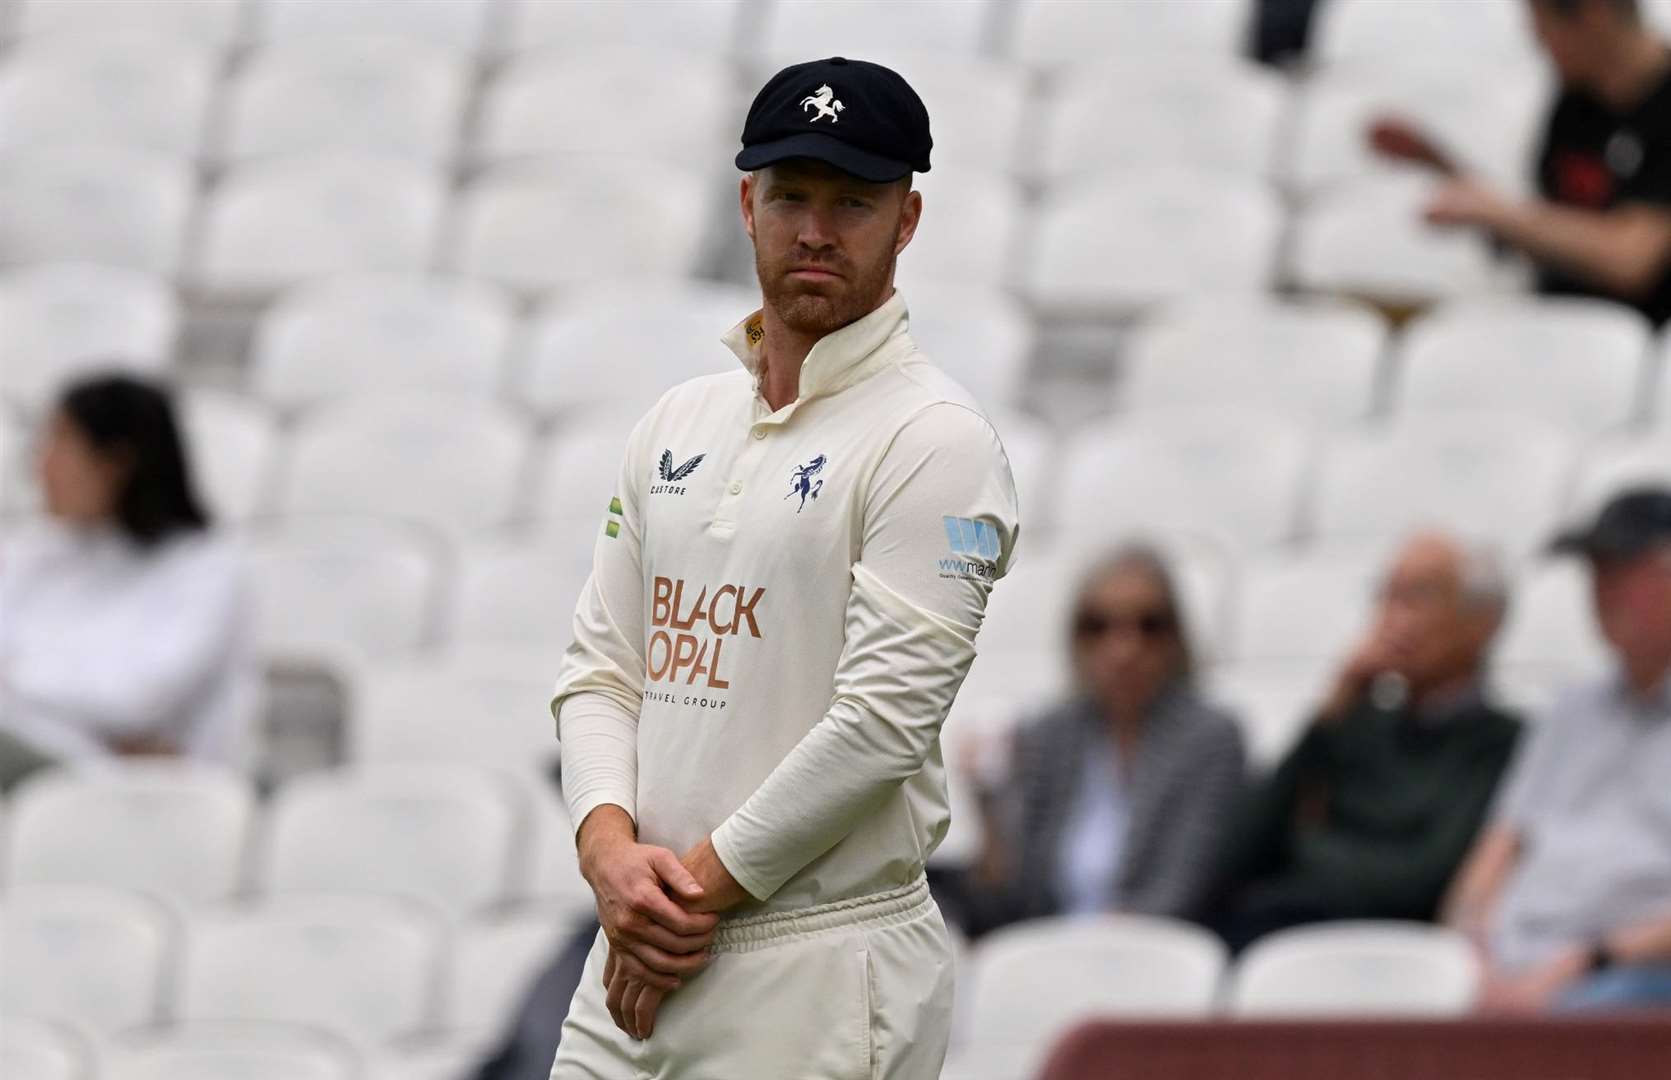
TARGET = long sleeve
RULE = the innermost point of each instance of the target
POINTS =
(118, 677)
(940, 526)
(600, 681)
(1206, 789)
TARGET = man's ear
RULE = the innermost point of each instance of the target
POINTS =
(745, 196)
(910, 212)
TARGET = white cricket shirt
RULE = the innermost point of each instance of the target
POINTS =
(781, 609)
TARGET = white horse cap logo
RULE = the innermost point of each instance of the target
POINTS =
(859, 117)
(823, 102)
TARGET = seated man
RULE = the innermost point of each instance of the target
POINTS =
(1569, 888)
(1370, 814)
(1600, 224)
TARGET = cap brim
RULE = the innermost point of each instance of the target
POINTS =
(1595, 545)
(822, 147)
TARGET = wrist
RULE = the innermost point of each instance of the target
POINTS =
(605, 829)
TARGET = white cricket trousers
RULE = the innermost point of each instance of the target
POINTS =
(854, 990)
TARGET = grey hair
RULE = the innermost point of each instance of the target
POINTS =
(1147, 559)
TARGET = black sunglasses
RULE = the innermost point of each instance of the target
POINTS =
(1096, 624)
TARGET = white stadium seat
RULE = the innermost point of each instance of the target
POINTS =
(982, 340)
(1575, 363)
(1273, 703)
(1034, 981)
(459, 710)
(1658, 15)
(139, 90)
(103, 204)
(1217, 115)
(1662, 407)
(554, 877)
(1497, 476)
(593, 347)
(979, 107)
(232, 444)
(382, 333)
(1304, 608)
(869, 29)
(704, 27)
(968, 232)
(495, 962)
(400, 98)
(205, 22)
(363, 968)
(1357, 969)
(536, 228)
(92, 958)
(1232, 474)
(1488, 119)
(338, 589)
(1030, 444)
(19, 488)
(230, 1051)
(1051, 32)
(519, 592)
(460, 25)
(674, 104)
(1129, 240)
(174, 830)
(1552, 623)
(1611, 467)
(1316, 363)
(441, 834)
(1373, 33)
(1368, 238)
(455, 465)
(274, 223)
(429, 1059)
(65, 319)
(34, 1050)
(580, 471)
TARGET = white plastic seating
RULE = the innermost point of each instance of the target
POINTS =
(65, 319)
(1357, 969)
(89, 203)
(175, 830)
(95, 959)
(442, 834)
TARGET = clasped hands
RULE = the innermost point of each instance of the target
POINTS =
(658, 911)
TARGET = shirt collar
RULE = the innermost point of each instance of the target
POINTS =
(838, 359)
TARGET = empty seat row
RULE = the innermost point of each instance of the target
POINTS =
(460, 840)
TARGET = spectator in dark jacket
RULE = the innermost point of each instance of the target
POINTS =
(1369, 816)
(1118, 797)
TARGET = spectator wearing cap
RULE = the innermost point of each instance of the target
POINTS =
(1369, 816)
(123, 621)
(1568, 892)
(1600, 224)
(1118, 798)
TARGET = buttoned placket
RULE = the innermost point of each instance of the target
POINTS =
(746, 466)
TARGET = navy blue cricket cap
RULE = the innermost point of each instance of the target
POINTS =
(1634, 522)
(860, 117)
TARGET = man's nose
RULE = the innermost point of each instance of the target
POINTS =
(815, 231)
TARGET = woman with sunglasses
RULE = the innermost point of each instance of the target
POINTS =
(1118, 798)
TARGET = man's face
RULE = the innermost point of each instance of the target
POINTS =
(1633, 602)
(825, 241)
(1427, 627)
(1572, 41)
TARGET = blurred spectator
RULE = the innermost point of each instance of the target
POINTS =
(1370, 814)
(1569, 889)
(1118, 798)
(122, 613)
(1602, 226)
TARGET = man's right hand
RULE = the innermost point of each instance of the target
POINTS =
(658, 940)
(1370, 660)
(1399, 139)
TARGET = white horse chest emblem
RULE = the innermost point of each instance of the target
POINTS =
(823, 102)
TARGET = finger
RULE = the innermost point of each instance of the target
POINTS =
(667, 941)
(660, 908)
(644, 1011)
(609, 967)
(632, 968)
(668, 867)
(612, 998)
(629, 1007)
(666, 963)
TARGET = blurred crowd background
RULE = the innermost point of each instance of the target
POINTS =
(1308, 325)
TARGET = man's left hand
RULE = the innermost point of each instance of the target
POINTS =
(1467, 202)
(1535, 990)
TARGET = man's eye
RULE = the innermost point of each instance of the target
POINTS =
(853, 202)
